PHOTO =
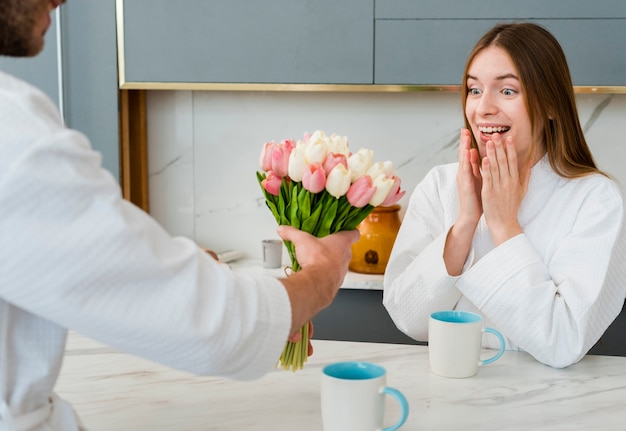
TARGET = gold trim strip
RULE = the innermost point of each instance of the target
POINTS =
(286, 87)
(600, 89)
(347, 88)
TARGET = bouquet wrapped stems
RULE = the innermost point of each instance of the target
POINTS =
(295, 354)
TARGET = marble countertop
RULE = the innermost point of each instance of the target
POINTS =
(353, 280)
(116, 391)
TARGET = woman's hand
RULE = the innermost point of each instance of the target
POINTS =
(469, 180)
(469, 184)
(504, 188)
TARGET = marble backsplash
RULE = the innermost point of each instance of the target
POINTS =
(204, 148)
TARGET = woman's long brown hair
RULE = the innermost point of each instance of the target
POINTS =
(549, 93)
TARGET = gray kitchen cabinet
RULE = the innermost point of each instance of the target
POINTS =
(428, 41)
(84, 84)
(612, 341)
(359, 315)
(363, 42)
(91, 84)
(242, 41)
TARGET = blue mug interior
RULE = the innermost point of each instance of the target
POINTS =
(456, 316)
(353, 370)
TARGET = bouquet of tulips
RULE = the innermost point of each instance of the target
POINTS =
(319, 186)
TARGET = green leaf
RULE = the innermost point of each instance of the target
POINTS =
(283, 203)
(274, 210)
(309, 224)
(327, 219)
(342, 213)
(293, 208)
(304, 203)
(260, 176)
(356, 216)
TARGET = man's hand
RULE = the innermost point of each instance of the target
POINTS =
(324, 263)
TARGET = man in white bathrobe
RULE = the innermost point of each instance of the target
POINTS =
(75, 255)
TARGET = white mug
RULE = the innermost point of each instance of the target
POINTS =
(455, 343)
(353, 397)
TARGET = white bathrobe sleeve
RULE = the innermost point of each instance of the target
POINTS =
(557, 307)
(416, 281)
(76, 253)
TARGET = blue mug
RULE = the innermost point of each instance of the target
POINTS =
(353, 397)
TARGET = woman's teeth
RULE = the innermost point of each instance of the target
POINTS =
(493, 129)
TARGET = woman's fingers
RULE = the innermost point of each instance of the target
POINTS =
(500, 162)
(512, 159)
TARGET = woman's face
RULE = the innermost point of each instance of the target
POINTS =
(495, 103)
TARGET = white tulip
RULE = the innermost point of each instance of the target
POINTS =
(338, 145)
(297, 162)
(360, 162)
(389, 168)
(383, 184)
(338, 181)
(376, 170)
(316, 148)
(317, 136)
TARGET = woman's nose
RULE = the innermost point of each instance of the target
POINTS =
(487, 104)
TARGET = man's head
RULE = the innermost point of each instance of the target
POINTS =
(23, 24)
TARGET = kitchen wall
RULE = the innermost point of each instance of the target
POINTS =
(204, 148)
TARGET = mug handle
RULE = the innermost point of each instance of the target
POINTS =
(404, 405)
(502, 345)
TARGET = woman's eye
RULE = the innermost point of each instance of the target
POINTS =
(508, 92)
(473, 91)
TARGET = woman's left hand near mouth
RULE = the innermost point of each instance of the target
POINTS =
(504, 188)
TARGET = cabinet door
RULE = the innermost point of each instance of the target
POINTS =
(427, 41)
(243, 41)
(358, 315)
(90, 76)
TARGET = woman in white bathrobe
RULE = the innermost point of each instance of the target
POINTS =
(524, 229)
(75, 255)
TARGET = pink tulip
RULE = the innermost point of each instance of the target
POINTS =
(394, 194)
(314, 178)
(288, 143)
(333, 159)
(361, 191)
(266, 156)
(272, 183)
(280, 157)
